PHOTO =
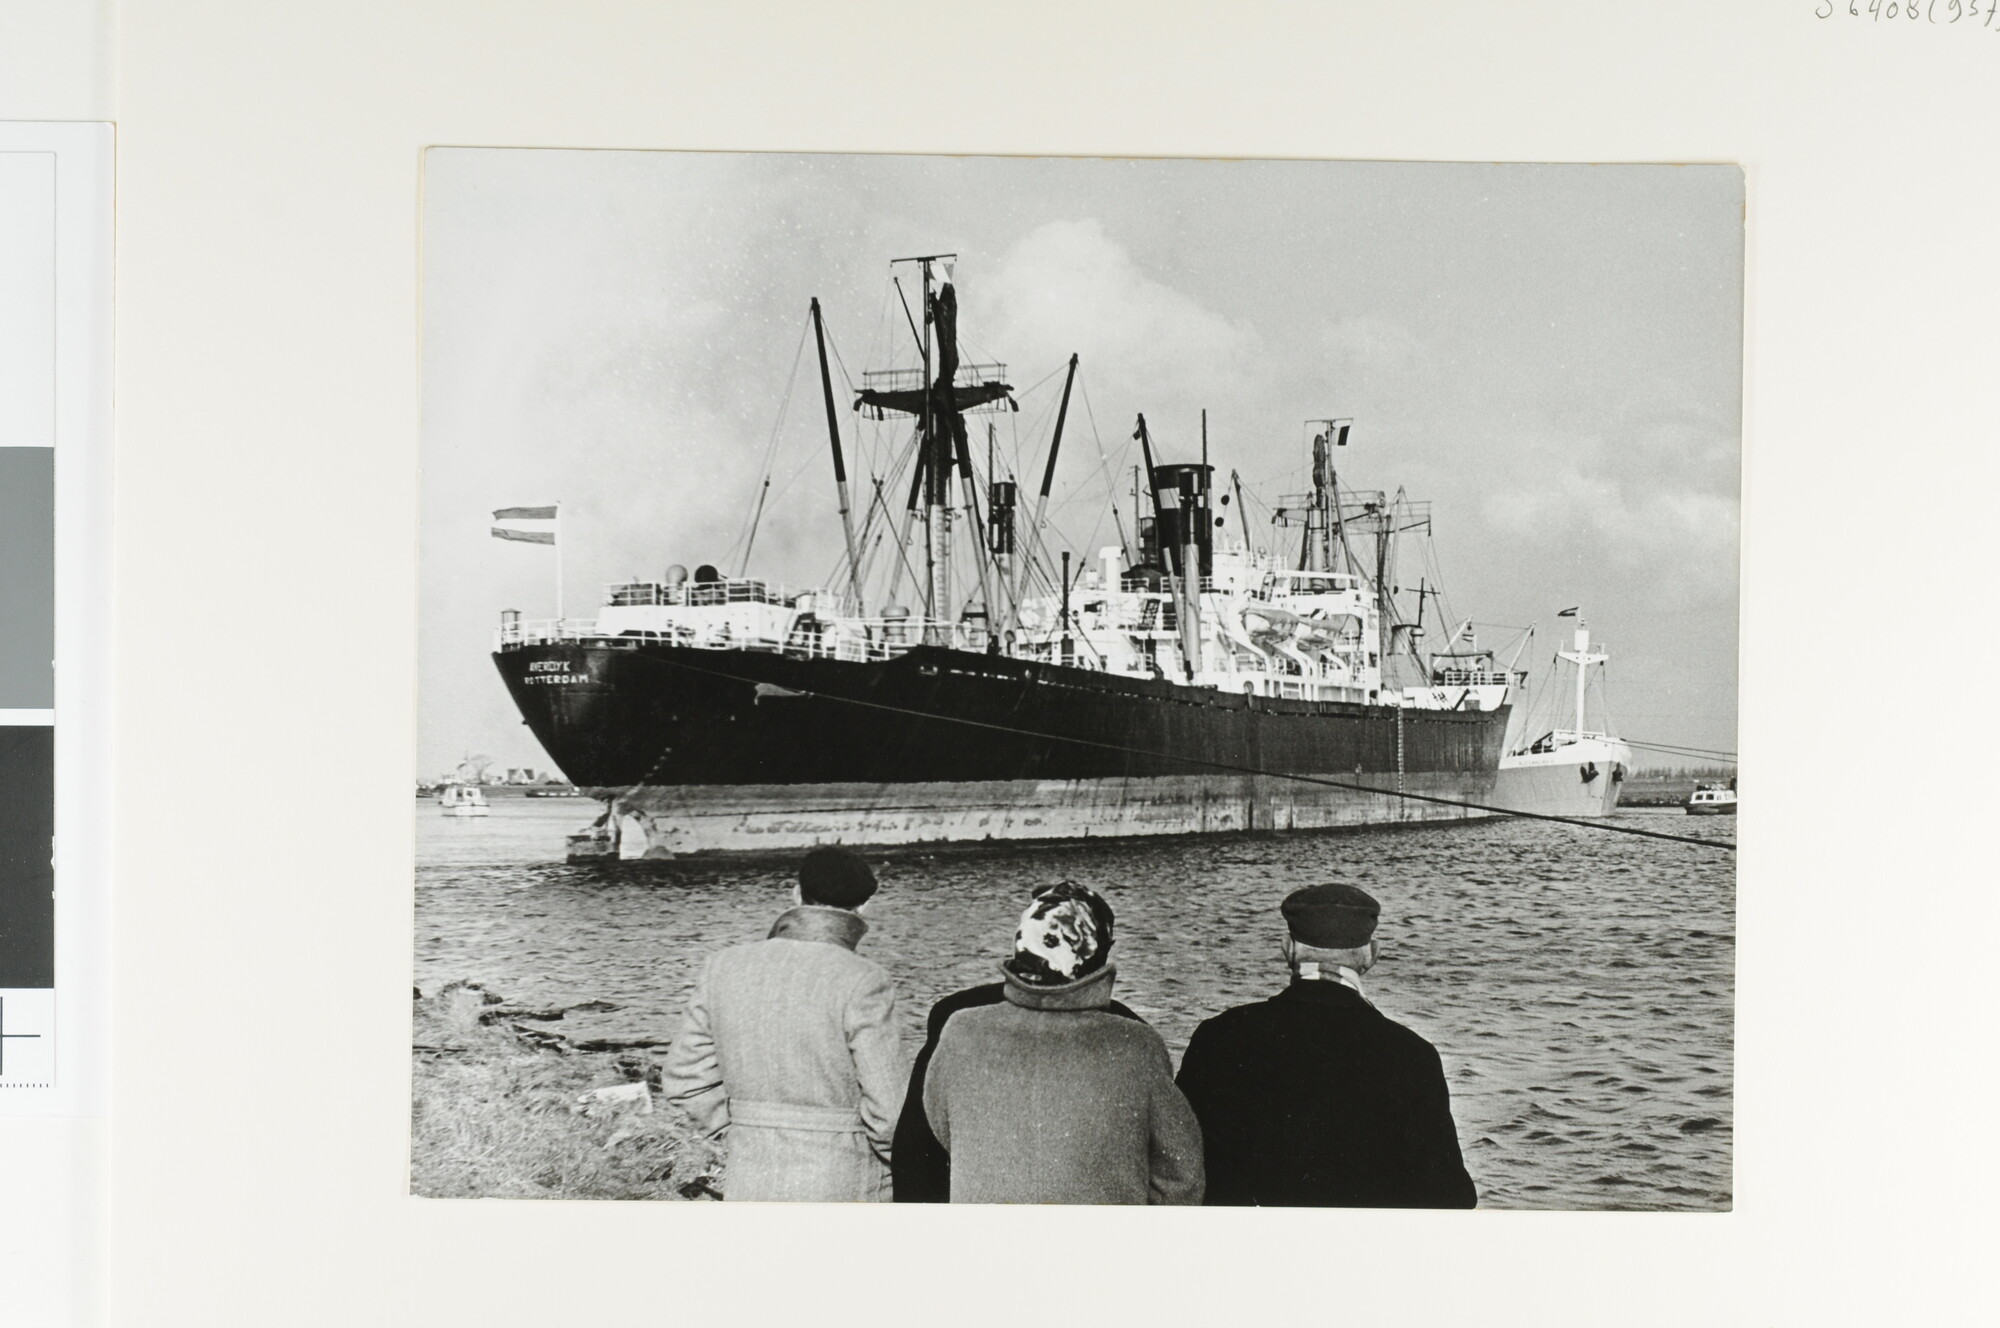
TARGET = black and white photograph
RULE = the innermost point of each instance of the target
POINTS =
(622, 622)
(1077, 680)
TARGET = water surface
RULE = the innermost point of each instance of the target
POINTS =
(1578, 984)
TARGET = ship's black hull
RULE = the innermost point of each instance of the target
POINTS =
(617, 715)
(697, 752)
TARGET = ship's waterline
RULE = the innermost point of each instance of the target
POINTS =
(714, 820)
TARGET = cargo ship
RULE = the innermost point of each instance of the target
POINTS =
(1573, 770)
(1182, 682)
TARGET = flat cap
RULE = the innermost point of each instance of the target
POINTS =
(836, 877)
(1332, 917)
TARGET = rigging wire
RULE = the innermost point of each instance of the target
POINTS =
(1671, 750)
(1105, 469)
(1212, 764)
(748, 536)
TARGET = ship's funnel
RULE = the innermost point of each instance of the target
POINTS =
(1004, 494)
(1185, 514)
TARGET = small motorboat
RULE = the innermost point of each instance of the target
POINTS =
(462, 800)
(1712, 800)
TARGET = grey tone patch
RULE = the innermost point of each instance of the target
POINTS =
(27, 878)
(27, 578)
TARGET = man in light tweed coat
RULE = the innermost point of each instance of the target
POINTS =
(790, 1042)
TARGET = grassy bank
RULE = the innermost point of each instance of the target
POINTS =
(504, 1105)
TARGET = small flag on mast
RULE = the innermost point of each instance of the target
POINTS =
(530, 525)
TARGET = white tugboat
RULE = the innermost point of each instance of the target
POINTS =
(1574, 771)
(1713, 800)
(457, 799)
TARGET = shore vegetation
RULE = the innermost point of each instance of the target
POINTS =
(504, 1106)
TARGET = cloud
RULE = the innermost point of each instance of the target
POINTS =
(1374, 348)
(1657, 500)
(1068, 286)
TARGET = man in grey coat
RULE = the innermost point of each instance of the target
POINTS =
(790, 1042)
(1048, 1097)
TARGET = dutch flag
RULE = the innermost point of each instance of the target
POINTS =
(530, 525)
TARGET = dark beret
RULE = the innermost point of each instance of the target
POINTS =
(1332, 917)
(836, 877)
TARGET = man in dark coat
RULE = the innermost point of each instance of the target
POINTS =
(1314, 1098)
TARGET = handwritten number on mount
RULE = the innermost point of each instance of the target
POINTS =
(1916, 11)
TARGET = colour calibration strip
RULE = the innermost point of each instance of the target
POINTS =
(55, 211)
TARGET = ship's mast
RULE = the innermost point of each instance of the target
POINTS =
(1192, 502)
(1323, 500)
(1326, 493)
(1153, 490)
(1049, 472)
(999, 538)
(1582, 672)
(839, 466)
(1138, 518)
(937, 402)
(1583, 657)
(937, 528)
(969, 482)
(1190, 613)
(1416, 636)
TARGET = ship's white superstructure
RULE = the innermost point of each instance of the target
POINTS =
(1253, 627)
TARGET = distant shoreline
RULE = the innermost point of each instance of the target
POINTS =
(523, 790)
(1660, 790)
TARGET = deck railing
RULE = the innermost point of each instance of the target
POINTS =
(850, 639)
(644, 594)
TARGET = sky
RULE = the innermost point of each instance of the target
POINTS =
(1551, 355)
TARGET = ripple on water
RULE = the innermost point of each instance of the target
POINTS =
(1578, 986)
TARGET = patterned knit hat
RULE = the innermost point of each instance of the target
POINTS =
(1064, 935)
